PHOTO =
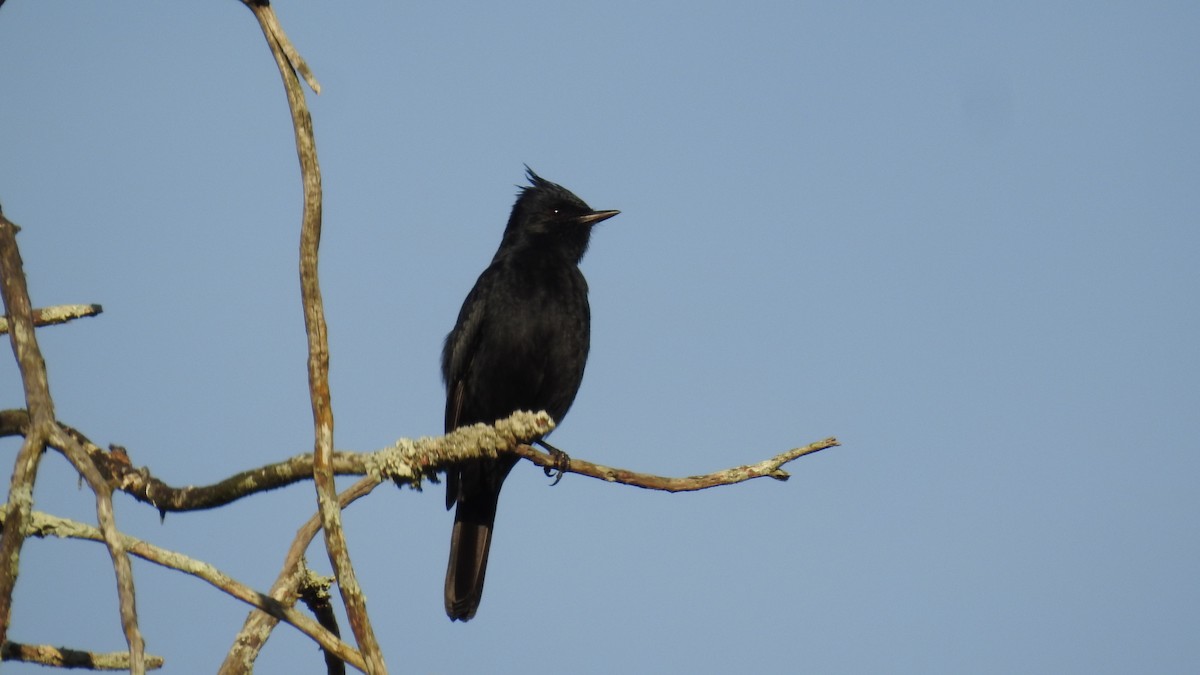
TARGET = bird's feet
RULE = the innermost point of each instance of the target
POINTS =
(562, 462)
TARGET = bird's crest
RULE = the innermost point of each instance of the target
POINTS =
(534, 179)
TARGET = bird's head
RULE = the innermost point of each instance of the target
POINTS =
(549, 216)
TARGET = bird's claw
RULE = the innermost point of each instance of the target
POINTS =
(562, 462)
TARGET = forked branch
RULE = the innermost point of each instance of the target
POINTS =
(405, 462)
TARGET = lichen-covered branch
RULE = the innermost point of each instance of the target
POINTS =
(407, 462)
(49, 316)
(314, 593)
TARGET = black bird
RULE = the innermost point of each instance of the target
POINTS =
(520, 343)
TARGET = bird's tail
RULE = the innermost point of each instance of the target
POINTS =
(469, 544)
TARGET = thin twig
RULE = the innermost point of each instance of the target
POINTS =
(770, 468)
(276, 34)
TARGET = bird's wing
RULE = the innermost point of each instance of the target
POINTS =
(454, 404)
(454, 401)
(463, 341)
(458, 355)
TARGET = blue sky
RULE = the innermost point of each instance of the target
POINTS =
(959, 237)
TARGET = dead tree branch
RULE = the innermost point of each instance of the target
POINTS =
(258, 625)
(405, 462)
(44, 525)
(286, 59)
(43, 430)
(49, 316)
(769, 468)
(37, 399)
(63, 657)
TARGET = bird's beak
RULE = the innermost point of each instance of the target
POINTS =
(595, 217)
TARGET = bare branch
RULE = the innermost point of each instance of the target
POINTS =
(112, 538)
(43, 525)
(407, 462)
(276, 35)
(318, 344)
(43, 429)
(37, 398)
(474, 441)
(62, 657)
(770, 468)
(258, 625)
(50, 316)
(17, 307)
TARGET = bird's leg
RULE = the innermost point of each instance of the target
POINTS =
(561, 461)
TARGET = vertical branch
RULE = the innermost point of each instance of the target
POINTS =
(318, 344)
(41, 410)
(43, 429)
